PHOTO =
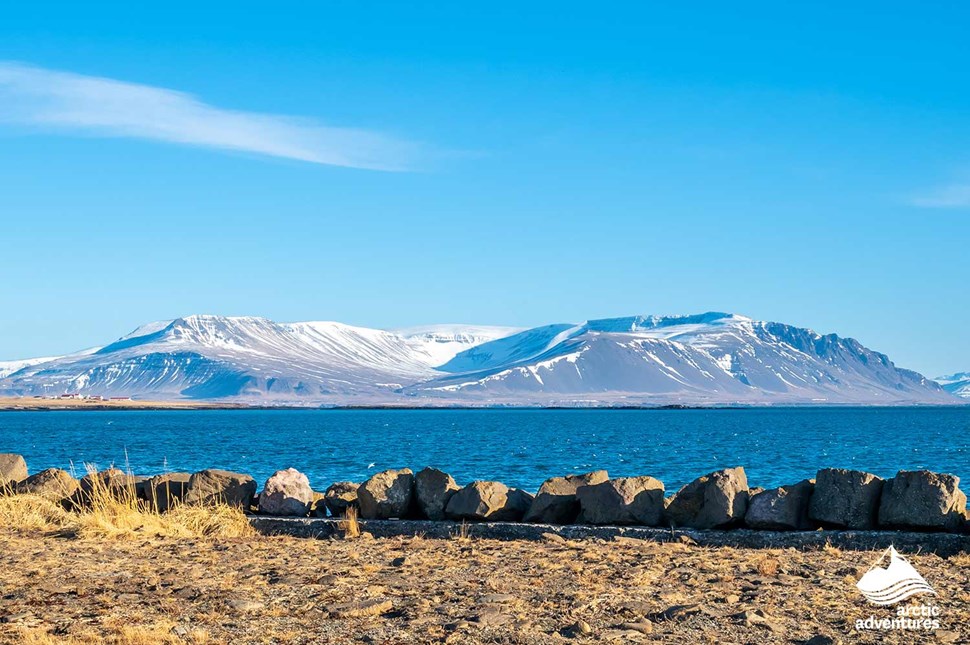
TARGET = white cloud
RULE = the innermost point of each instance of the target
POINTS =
(952, 196)
(102, 106)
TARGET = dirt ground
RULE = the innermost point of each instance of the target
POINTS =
(415, 590)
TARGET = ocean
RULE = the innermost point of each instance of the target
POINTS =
(518, 447)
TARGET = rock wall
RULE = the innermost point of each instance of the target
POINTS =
(914, 501)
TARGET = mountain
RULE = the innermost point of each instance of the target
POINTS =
(213, 357)
(9, 367)
(956, 384)
(711, 358)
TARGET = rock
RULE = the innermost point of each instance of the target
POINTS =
(920, 499)
(53, 484)
(781, 509)
(556, 501)
(819, 639)
(286, 492)
(750, 618)
(13, 469)
(520, 501)
(627, 500)
(110, 481)
(166, 490)
(488, 501)
(433, 488)
(717, 500)
(679, 612)
(493, 616)
(387, 494)
(500, 598)
(644, 627)
(141, 487)
(318, 506)
(577, 629)
(214, 486)
(340, 496)
(845, 498)
(244, 606)
(360, 608)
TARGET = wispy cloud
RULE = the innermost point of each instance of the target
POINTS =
(101, 106)
(950, 196)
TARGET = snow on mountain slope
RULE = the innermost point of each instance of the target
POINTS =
(956, 384)
(217, 356)
(711, 358)
(438, 344)
(9, 367)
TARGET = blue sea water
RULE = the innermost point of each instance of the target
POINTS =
(519, 447)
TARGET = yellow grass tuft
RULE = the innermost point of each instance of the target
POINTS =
(31, 513)
(349, 524)
(462, 534)
(160, 633)
(114, 511)
(213, 521)
(767, 566)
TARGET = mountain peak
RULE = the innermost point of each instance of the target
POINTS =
(708, 358)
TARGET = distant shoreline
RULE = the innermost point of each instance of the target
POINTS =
(22, 404)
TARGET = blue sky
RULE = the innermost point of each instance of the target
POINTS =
(392, 164)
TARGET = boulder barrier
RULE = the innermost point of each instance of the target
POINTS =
(837, 504)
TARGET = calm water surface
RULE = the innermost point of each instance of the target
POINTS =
(518, 447)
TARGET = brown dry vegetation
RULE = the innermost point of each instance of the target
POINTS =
(116, 512)
(30, 403)
(119, 573)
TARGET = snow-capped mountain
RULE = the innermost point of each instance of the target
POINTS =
(210, 357)
(711, 358)
(9, 367)
(957, 384)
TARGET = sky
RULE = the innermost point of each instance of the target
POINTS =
(391, 164)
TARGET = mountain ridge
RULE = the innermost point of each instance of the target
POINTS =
(956, 384)
(713, 358)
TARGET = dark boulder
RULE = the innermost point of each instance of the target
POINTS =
(53, 484)
(781, 509)
(556, 501)
(845, 499)
(433, 489)
(388, 494)
(716, 500)
(166, 490)
(920, 499)
(488, 501)
(626, 500)
(214, 486)
(340, 496)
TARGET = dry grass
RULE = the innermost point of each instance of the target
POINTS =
(32, 514)
(416, 590)
(349, 525)
(767, 566)
(114, 511)
(30, 403)
(160, 633)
